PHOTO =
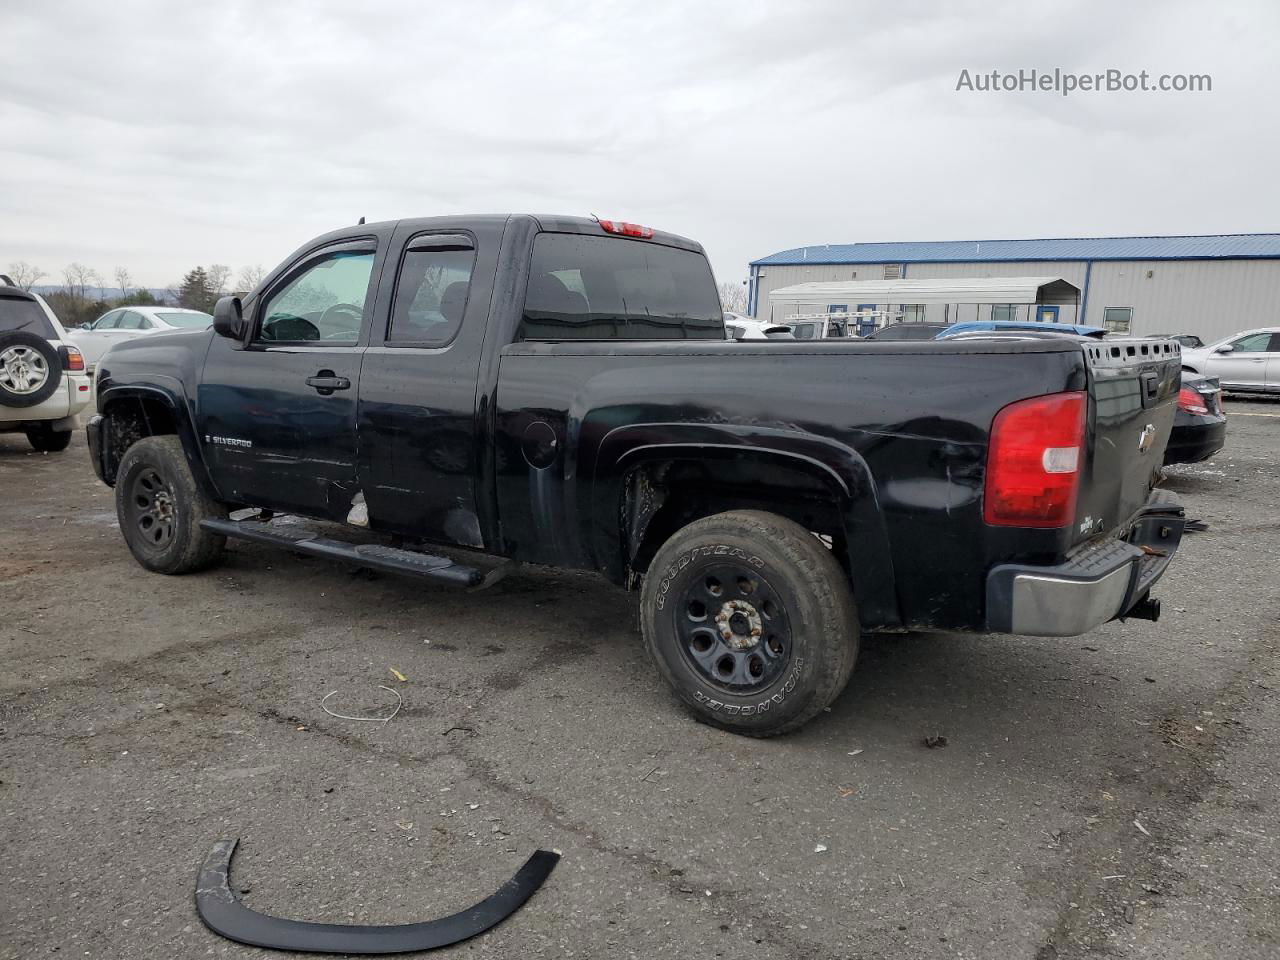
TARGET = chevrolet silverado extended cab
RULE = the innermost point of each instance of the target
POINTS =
(561, 391)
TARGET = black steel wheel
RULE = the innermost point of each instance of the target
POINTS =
(751, 620)
(160, 506)
(733, 628)
(150, 509)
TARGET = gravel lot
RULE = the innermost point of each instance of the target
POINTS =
(143, 718)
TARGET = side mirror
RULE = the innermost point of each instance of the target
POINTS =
(86, 326)
(1225, 348)
(228, 318)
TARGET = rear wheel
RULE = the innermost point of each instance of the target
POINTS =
(160, 507)
(47, 440)
(751, 621)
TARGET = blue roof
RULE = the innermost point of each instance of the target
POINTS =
(1229, 245)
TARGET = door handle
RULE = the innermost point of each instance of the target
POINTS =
(325, 382)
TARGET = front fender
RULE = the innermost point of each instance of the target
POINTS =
(166, 391)
(839, 468)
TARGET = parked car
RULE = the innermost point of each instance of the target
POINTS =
(43, 386)
(560, 391)
(738, 327)
(125, 323)
(1248, 361)
(908, 331)
(1200, 424)
(1189, 341)
(978, 326)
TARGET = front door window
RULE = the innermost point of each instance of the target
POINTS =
(324, 302)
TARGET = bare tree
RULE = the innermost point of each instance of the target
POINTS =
(78, 279)
(733, 297)
(218, 275)
(25, 274)
(249, 278)
(123, 280)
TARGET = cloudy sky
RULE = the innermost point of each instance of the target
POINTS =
(160, 135)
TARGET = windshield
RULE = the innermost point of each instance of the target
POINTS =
(193, 321)
(23, 314)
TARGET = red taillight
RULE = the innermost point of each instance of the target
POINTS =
(1190, 401)
(1033, 463)
(75, 359)
(626, 229)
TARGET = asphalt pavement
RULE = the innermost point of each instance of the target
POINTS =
(1113, 795)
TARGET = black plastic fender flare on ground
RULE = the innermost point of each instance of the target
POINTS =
(222, 913)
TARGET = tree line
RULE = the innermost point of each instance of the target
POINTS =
(82, 296)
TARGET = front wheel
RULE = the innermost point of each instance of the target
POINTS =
(47, 440)
(750, 619)
(160, 507)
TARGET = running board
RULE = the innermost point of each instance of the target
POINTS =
(371, 555)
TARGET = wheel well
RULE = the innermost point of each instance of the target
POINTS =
(661, 497)
(130, 419)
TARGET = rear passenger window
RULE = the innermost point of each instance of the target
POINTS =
(611, 288)
(431, 292)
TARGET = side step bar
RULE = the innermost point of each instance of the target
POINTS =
(372, 555)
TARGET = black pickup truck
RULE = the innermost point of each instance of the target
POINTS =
(561, 391)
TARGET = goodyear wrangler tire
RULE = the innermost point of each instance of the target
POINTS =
(160, 506)
(750, 619)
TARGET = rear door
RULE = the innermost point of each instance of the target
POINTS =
(1133, 389)
(1273, 364)
(419, 459)
(278, 417)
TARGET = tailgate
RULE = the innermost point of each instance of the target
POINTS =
(1133, 392)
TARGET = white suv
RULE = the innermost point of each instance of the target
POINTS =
(43, 383)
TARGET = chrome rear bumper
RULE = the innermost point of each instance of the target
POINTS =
(1099, 584)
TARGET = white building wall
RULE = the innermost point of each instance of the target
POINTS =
(1210, 298)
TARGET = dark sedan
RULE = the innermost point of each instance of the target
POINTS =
(1200, 425)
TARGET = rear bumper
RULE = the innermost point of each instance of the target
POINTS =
(1198, 439)
(71, 397)
(1099, 584)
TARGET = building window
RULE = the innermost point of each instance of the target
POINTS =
(913, 313)
(1004, 312)
(1117, 319)
(893, 271)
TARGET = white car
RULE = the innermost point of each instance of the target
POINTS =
(739, 327)
(125, 323)
(43, 382)
(1248, 361)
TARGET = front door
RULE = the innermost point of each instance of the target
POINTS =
(1245, 365)
(93, 343)
(277, 417)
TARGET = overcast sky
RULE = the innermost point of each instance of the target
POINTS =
(162, 135)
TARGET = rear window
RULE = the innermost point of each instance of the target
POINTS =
(23, 314)
(610, 288)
